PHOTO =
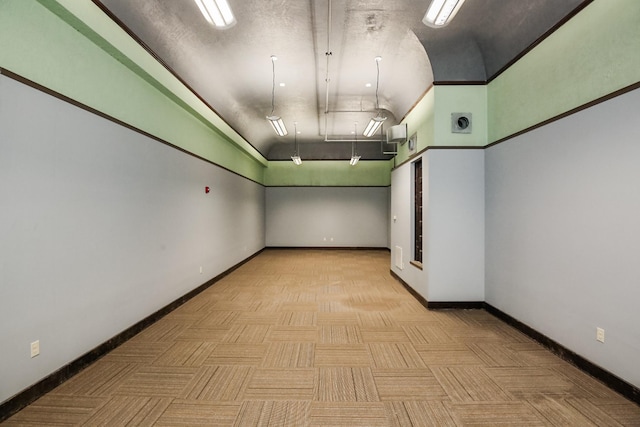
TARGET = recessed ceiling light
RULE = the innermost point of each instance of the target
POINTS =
(368, 85)
(282, 84)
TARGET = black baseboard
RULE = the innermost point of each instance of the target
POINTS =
(455, 305)
(412, 291)
(29, 395)
(612, 381)
(332, 248)
(439, 305)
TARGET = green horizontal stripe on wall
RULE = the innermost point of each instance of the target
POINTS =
(592, 55)
(74, 49)
(329, 173)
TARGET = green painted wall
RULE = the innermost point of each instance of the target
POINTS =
(430, 119)
(460, 99)
(325, 173)
(419, 121)
(72, 48)
(597, 52)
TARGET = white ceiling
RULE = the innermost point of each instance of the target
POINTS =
(231, 69)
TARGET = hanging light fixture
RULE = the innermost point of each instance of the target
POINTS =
(217, 12)
(276, 121)
(441, 12)
(296, 155)
(376, 122)
(354, 149)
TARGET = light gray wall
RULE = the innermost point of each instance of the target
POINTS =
(327, 216)
(100, 227)
(563, 232)
(453, 225)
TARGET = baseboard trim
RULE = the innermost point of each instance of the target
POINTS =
(32, 393)
(455, 305)
(412, 291)
(612, 381)
(439, 305)
(332, 248)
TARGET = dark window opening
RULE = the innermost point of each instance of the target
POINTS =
(417, 213)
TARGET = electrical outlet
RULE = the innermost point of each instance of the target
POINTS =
(200, 269)
(35, 348)
(600, 334)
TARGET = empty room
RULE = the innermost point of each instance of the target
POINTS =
(319, 212)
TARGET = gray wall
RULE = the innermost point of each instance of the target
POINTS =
(563, 232)
(327, 216)
(453, 225)
(100, 227)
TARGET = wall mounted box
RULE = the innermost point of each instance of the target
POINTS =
(397, 133)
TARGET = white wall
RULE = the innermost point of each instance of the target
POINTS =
(402, 226)
(563, 232)
(100, 227)
(453, 225)
(327, 216)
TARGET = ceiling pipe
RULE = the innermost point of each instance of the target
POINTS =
(327, 54)
(327, 80)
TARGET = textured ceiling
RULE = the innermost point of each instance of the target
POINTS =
(232, 69)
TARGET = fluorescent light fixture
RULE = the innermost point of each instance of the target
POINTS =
(354, 149)
(373, 126)
(376, 122)
(276, 121)
(217, 12)
(278, 125)
(441, 12)
(296, 155)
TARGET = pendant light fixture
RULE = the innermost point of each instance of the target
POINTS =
(441, 12)
(296, 155)
(354, 147)
(375, 122)
(217, 12)
(276, 121)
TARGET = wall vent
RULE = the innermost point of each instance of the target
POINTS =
(461, 122)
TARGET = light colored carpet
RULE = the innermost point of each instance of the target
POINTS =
(327, 338)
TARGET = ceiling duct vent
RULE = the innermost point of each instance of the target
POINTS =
(460, 122)
(397, 133)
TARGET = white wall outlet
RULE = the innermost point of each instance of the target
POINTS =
(35, 348)
(200, 269)
(600, 334)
